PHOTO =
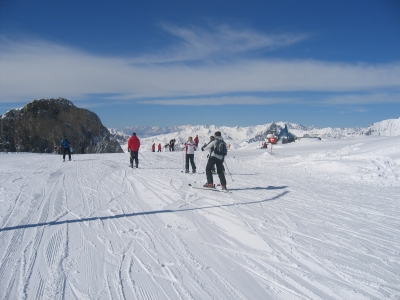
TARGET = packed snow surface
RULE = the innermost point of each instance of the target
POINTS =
(314, 219)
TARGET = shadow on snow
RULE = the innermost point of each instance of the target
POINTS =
(260, 188)
(81, 220)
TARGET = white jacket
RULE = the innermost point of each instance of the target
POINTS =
(211, 146)
(190, 147)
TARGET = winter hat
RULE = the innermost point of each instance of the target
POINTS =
(134, 133)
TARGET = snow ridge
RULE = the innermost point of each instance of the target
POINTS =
(241, 136)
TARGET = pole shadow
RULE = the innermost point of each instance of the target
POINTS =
(81, 220)
(260, 188)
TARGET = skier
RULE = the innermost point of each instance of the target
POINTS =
(215, 159)
(159, 147)
(209, 156)
(172, 145)
(66, 144)
(133, 148)
(153, 147)
(190, 147)
(196, 140)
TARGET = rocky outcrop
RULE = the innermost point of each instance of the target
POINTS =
(40, 126)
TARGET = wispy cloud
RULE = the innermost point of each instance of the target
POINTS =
(223, 100)
(35, 69)
(374, 98)
(217, 42)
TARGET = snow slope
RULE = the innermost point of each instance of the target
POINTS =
(311, 220)
(390, 127)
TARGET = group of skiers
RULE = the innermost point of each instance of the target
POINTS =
(217, 150)
(153, 147)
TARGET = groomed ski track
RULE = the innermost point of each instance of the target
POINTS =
(314, 220)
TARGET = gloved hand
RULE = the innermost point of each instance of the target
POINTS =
(202, 148)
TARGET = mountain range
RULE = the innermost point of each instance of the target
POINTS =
(240, 136)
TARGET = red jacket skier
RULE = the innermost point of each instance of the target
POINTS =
(133, 148)
(196, 140)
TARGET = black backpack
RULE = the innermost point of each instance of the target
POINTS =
(220, 147)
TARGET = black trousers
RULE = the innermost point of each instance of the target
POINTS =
(134, 156)
(65, 152)
(190, 157)
(220, 170)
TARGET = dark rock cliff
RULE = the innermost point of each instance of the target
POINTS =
(41, 125)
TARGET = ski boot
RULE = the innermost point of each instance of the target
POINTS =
(194, 171)
(187, 171)
(209, 185)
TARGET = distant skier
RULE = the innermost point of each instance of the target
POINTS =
(133, 148)
(190, 147)
(153, 147)
(66, 146)
(172, 145)
(159, 147)
(216, 158)
(196, 140)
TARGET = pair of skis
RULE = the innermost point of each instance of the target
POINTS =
(215, 189)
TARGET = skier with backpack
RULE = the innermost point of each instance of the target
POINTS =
(218, 152)
(213, 171)
(190, 147)
(66, 146)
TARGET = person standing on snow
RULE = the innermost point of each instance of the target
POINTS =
(66, 146)
(212, 138)
(196, 140)
(190, 147)
(153, 147)
(133, 148)
(159, 147)
(215, 159)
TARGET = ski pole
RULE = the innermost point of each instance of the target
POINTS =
(145, 158)
(183, 158)
(201, 158)
(229, 171)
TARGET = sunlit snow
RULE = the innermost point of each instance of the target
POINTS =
(314, 219)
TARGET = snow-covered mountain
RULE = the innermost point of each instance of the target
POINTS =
(240, 136)
(147, 131)
(390, 127)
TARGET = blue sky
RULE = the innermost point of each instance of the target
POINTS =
(234, 63)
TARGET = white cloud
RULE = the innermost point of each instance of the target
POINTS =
(224, 100)
(375, 98)
(40, 69)
(222, 42)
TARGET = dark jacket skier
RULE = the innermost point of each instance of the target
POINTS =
(214, 159)
(66, 147)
